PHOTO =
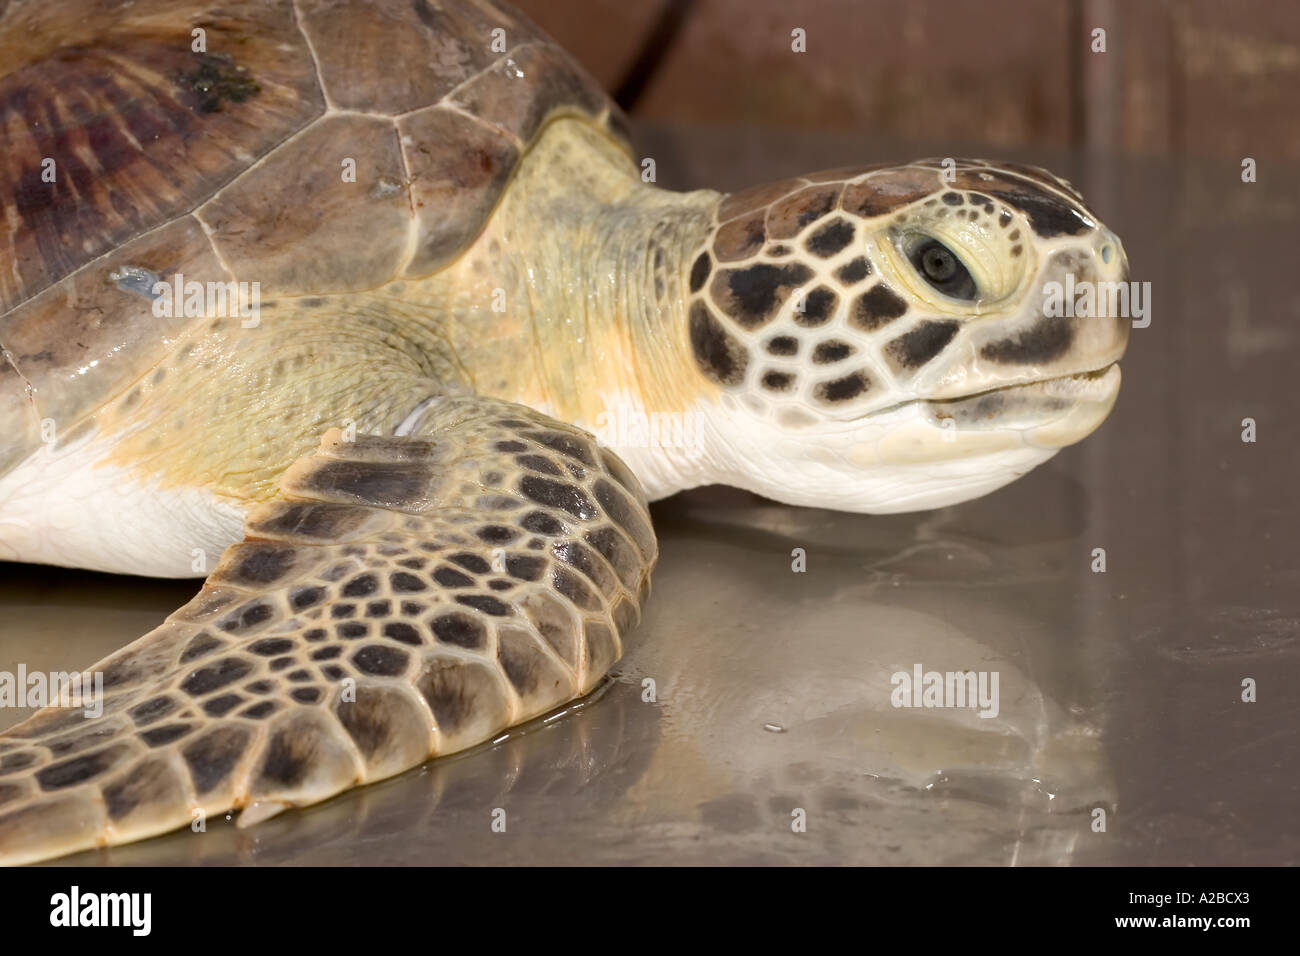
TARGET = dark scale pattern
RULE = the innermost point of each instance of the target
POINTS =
(832, 350)
(361, 586)
(700, 272)
(303, 598)
(403, 582)
(1049, 215)
(568, 445)
(719, 355)
(1048, 339)
(381, 661)
(403, 632)
(248, 691)
(560, 495)
(843, 389)
(877, 307)
(539, 463)
(828, 239)
(270, 647)
(917, 347)
(219, 706)
(818, 308)
(200, 646)
(854, 271)
(778, 381)
(470, 562)
(263, 564)
(215, 676)
(79, 769)
(459, 629)
(525, 567)
(451, 578)
(752, 296)
(783, 345)
(157, 736)
(497, 534)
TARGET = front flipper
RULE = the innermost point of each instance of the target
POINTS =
(401, 598)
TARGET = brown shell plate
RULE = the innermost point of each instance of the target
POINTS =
(122, 146)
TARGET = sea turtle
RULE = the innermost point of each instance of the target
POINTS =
(461, 275)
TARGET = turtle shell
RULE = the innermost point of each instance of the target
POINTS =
(214, 139)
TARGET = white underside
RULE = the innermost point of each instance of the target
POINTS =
(900, 487)
(65, 506)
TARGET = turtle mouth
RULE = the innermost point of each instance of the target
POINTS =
(1033, 419)
(1050, 412)
(1096, 385)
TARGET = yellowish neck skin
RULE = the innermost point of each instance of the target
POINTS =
(573, 297)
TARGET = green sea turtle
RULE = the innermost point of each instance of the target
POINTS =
(461, 275)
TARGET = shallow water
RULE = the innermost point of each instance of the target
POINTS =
(1119, 692)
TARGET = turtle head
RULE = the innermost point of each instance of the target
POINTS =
(901, 338)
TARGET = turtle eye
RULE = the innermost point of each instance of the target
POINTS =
(941, 267)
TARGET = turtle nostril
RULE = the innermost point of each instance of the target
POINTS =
(1111, 253)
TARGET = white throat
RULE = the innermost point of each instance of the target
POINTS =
(890, 463)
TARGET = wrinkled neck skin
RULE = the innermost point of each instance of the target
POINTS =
(573, 302)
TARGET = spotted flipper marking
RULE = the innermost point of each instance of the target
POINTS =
(401, 598)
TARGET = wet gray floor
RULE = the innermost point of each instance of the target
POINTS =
(1120, 692)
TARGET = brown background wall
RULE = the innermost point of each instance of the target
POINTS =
(1204, 77)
